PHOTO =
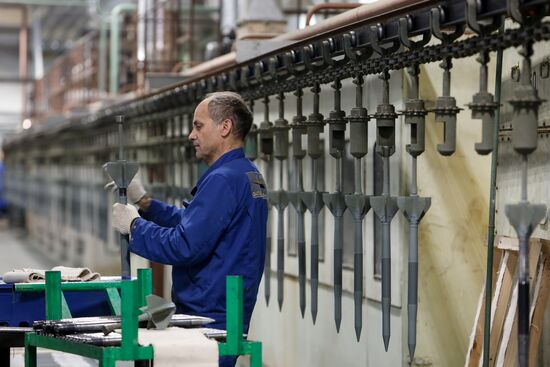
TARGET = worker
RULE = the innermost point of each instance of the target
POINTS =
(221, 231)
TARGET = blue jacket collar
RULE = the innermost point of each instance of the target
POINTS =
(226, 157)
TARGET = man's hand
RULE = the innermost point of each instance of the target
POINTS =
(123, 216)
(135, 190)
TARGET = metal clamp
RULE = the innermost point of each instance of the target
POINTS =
(376, 33)
(437, 16)
(472, 9)
(405, 23)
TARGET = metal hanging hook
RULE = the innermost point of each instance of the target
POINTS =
(477, 25)
(349, 40)
(437, 16)
(376, 33)
(233, 79)
(404, 24)
(521, 17)
(308, 56)
(244, 76)
(352, 50)
(299, 153)
(259, 68)
(288, 62)
(327, 49)
(272, 67)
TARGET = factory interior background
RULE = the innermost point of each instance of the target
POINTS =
(454, 171)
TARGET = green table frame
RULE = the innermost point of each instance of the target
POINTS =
(133, 293)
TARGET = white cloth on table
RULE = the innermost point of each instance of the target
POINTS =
(179, 347)
(24, 275)
(76, 274)
(27, 275)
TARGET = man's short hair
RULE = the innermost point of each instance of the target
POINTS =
(230, 105)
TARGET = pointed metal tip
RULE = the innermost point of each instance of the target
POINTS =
(386, 342)
(280, 306)
(412, 347)
(314, 316)
(267, 301)
(302, 311)
(358, 333)
(337, 326)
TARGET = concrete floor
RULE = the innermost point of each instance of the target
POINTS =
(16, 253)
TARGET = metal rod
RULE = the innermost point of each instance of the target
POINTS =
(523, 301)
(386, 261)
(338, 246)
(357, 203)
(447, 78)
(357, 181)
(524, 169)
(301, 240)
(124, 239)
(414, 185)
(386, 177)
(301, 251)
(314, 198)
(280, 255)
(483, 71)
(119, 120)
(338, 259)
(412, 305)
(298, 203)
(358, 277)
(314, 248)
(491, 225)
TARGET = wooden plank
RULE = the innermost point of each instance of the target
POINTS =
(512, 243)
(476, 338)
(475, 348)
(503, 347)
(507, 243)
(503, 291)
(511, 355)
(540, 303)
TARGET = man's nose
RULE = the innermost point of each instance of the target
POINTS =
(192, 135)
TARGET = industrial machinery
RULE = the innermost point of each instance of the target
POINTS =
(360, 61)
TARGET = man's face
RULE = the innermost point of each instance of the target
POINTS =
(206, 135)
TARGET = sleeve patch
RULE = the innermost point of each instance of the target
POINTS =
(257, 185)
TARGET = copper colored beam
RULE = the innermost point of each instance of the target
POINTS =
(376, 12)
(328, 6)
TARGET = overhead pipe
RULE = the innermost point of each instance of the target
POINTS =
(141, 27)
(191, 43)
(328, 6)
(102, 63)
(23, 65)
(376, 12)
(38, 60)
(114, 49)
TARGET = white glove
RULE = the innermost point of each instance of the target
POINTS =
(135, 190)
(123, 215)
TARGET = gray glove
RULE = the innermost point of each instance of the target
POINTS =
(123, 215)
(135, 190)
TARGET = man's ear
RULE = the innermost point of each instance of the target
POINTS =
(226, 127)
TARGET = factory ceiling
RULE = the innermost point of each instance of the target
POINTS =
(59, 23)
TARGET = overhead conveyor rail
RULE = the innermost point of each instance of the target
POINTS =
(158, 126)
